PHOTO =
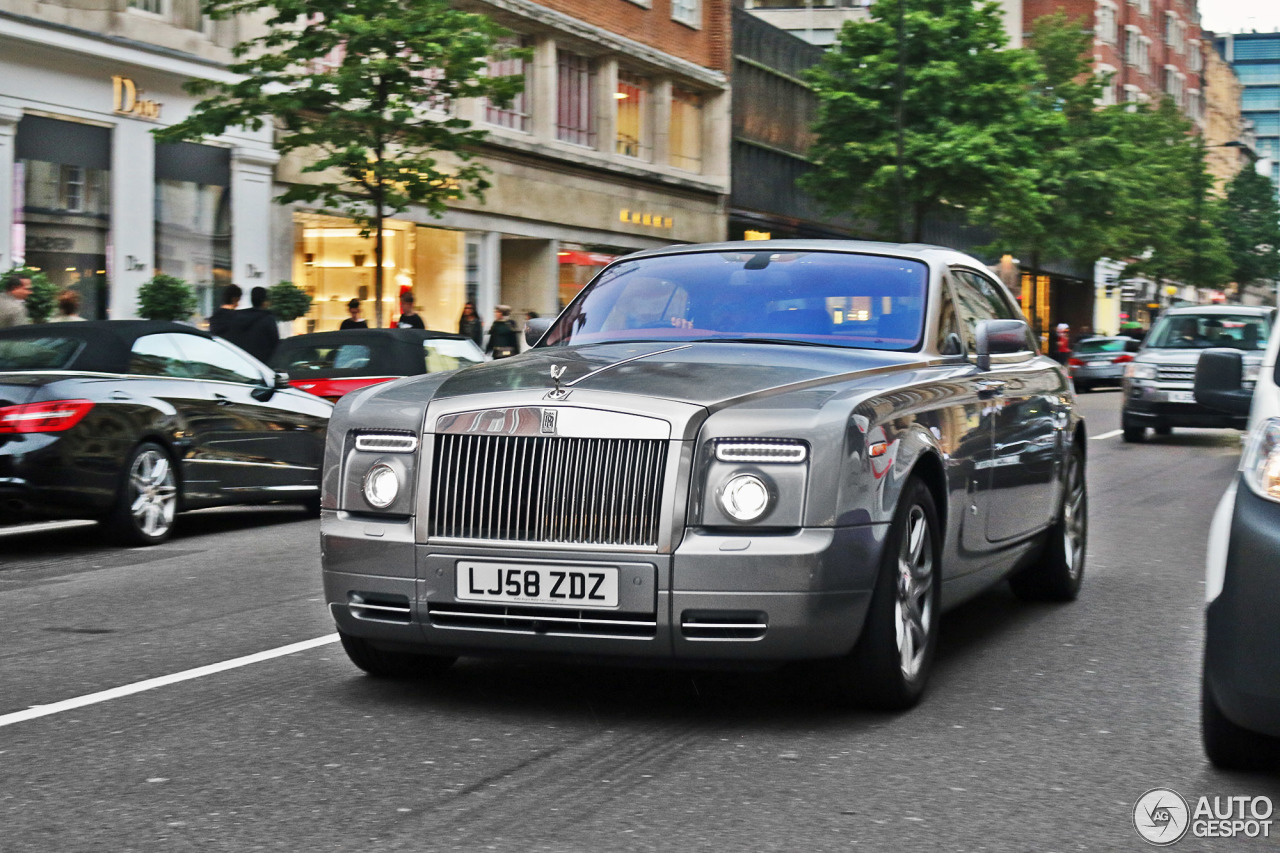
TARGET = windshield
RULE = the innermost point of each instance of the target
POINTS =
(1107, 345)
(1200, 331)
(823, 298)
(42, 353)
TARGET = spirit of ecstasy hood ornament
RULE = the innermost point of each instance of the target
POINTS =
(558, 392)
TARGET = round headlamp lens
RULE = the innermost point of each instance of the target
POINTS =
(745, 497)
(381, 486)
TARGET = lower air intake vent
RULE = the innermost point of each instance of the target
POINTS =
(379, 607)
(723, 624)
(543, 620)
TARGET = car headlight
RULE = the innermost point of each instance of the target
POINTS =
(1139, 370)
(1261, 461)
(745, 497)
(381, 485)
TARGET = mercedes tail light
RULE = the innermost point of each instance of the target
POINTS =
(1122, 358)
(49, 416)
(1075, 362)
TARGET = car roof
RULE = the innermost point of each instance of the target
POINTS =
(1260, 310)
(107, 343)
(362, 335)
(920, 251)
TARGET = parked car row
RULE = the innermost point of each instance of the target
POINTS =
(130, 422)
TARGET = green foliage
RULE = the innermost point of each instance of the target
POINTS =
(965, 108)
(165, 297)
(1250, 217)
(363, 90)
(288, 301)
(43, 300)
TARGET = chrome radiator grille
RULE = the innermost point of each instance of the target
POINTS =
(596, 491)
(1176, 373)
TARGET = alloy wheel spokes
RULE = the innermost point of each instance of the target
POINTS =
(154, 492)
(914, 605)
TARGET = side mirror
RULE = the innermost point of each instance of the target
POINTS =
(536, 328)
(282, 380)
(1220, 381)
(1000, 337)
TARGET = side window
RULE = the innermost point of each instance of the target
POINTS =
(990, 294)
(972, 307)
(949, 340)
(208, 359)
(157, 355)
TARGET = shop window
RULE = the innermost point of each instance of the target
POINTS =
(193, 218)
(633, 100)
(575, 99)
(62, 206)
(686, 130)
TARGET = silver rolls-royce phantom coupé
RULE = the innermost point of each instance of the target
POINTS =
(745, 452)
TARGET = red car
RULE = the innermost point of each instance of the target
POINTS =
(330, 364)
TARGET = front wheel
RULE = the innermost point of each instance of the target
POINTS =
(888, 668)
(383, 664)
(147, 500)
(1057, 575)
(1133, 434)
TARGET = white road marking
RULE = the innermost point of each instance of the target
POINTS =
(37, 711)
(41, 526)
(1111, 434)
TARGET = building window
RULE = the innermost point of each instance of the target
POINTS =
(1144, 6)
(1107, 95)
(1173, 84)
(633, 99)
(151, 7)
(73, 189)
(686, 130)
(1195, 59)
(193, 217)
(517, 115)
(575, 99)
(687, 12)
(1106, 23)
(1195, 107)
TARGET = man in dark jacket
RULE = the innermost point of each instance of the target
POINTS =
(254, 329)
(222, 316)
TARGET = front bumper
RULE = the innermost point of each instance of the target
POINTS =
(1150, 405)
(1242, 625)
(718, 598)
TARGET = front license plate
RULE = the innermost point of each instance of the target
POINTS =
(561, 586)
(1182, 396)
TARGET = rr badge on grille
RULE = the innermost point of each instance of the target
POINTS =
(549, 421)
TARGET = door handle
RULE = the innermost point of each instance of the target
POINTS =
(988, 388)
(120, 395)
(222, 399)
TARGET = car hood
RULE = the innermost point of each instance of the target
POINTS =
(710, 374)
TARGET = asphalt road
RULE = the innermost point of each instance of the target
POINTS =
(1043, 725)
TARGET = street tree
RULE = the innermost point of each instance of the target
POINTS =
(1164, 211)
(362, 91)
(1250, 218)
(920, 109)
(1063, 203)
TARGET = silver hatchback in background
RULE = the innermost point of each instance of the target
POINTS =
(1100, 361)
(1159, 382)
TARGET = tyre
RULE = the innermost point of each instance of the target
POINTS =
(384, 664)
(1083, 387)
(1229, 746)
(311, 506)
(1164, 430)
(1132, 433)
(147, 499)
(1057, 574)
(888, 668)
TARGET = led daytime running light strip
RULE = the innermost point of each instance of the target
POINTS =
(786, 452)
(387, 443)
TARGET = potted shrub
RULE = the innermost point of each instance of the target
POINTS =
(165, 297)
(288, 303)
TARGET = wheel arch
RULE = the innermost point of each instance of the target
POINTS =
(929, 468)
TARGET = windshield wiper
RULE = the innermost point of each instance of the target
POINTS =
(785, 341)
